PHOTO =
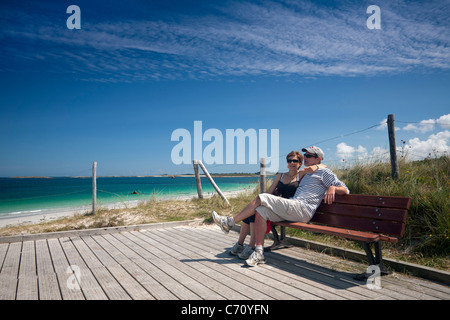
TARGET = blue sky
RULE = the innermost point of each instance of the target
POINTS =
(115, 90)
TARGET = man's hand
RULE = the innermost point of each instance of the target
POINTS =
(331, 192)
(329, 195)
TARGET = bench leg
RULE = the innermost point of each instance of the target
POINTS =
(279, 242)
(373, 260)
(379, 259)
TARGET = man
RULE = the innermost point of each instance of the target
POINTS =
(322, 184)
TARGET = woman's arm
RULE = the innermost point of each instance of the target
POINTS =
(310, 169)
(274, 185)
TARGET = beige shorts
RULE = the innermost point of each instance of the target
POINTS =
(275, 209)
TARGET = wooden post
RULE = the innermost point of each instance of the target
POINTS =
(198, 182)
(393, 147)
(262, 176)
(94, 187)
(212, 182)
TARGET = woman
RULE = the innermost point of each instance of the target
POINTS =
(284, 185)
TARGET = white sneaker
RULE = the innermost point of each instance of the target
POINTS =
(237, 249)
(225, 223)
(246, 253)
(255, 258)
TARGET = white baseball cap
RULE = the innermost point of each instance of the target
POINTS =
(314, 150)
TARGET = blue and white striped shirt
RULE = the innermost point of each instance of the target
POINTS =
(313, 186)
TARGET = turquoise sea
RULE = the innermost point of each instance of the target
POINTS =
(29, 196)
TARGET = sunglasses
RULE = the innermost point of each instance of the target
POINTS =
(310, 155)
(293, 160)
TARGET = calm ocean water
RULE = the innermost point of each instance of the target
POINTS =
(26, 196)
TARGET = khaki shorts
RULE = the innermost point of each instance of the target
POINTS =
(275, 209)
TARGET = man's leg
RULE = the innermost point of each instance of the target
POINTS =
(260, 229)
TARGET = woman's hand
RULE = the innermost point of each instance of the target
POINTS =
(313, 168)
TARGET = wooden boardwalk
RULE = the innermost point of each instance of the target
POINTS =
(184, 263)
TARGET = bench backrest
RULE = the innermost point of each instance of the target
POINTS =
(379, 214)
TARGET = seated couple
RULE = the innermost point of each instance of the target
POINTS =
(301, 194)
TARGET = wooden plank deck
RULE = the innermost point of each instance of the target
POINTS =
(185, 263)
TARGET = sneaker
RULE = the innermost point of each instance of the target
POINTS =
(237, 249)
(223, 222)
(247, 252)
(255, 258)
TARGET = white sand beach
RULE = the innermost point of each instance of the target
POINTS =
(54, 214)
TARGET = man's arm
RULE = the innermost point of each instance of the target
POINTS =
(335, 186)
(331, 191)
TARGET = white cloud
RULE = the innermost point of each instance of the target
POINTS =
(429, 125)
(444, 121)
(435, 146)
(423, 126)
(379, 154)
(383, 125)
(347, 152)
(344, 151)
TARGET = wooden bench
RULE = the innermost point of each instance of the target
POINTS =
(368, 219)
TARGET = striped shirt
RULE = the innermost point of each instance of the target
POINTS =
(313, 186)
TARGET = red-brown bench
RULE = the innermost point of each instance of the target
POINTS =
(368, 219)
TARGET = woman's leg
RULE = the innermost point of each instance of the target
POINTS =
(252, 235)
(248, 211)
(245, 228)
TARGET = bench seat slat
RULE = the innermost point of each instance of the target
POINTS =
(349, 234)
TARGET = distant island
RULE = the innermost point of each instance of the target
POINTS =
(31, 177)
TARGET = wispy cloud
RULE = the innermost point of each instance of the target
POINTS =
(267, 38)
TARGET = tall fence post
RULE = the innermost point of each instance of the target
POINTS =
(262, 176)
(94, 188)
(393, 147)
(198, 182)
(212, 182)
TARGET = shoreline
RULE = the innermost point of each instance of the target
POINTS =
(54, 214)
